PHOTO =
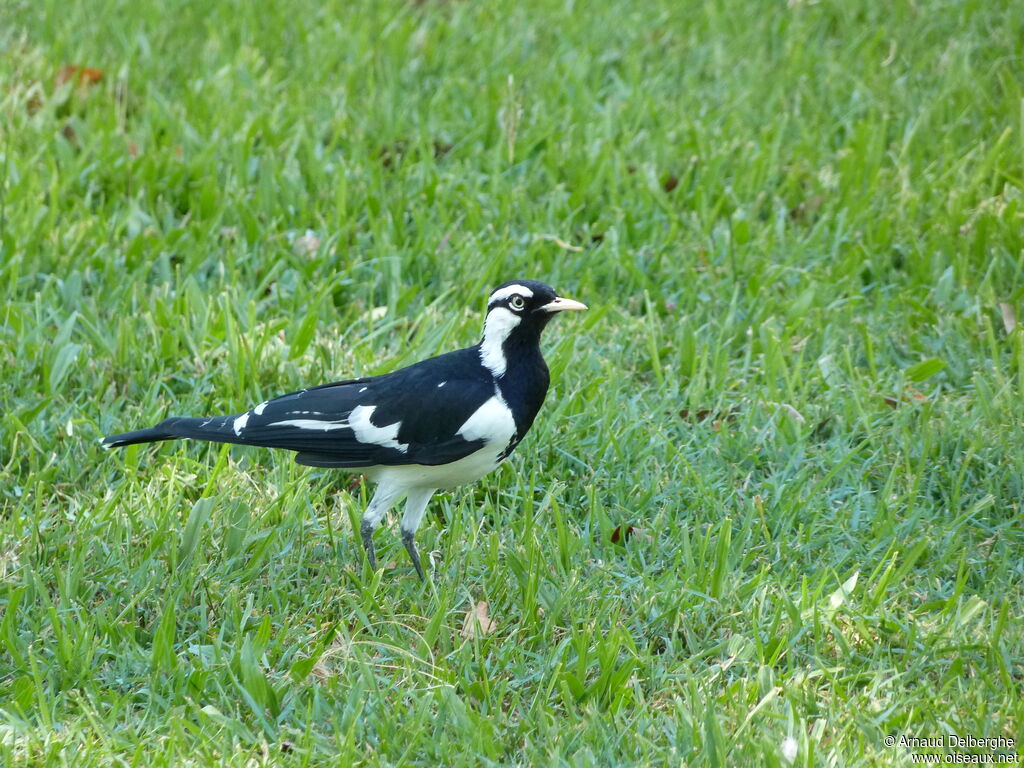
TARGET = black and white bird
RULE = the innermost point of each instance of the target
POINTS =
(442, 422)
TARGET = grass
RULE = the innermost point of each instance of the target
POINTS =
(799, 227)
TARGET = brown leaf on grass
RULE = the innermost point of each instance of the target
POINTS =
(625, 532)
(1009, 316)
(72, 73)
(621, 533)
(478, 623)
(910, 396)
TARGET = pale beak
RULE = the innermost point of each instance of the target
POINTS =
(561, 305)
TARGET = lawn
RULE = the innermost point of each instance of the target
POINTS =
(771, 513)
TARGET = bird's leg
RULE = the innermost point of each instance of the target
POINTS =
(367, 530)
(409, 539)
(414, 508)
(381, 502)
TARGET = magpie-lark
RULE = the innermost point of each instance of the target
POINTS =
(442, 422)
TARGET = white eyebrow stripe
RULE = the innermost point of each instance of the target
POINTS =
(317, 424)
(510, 290)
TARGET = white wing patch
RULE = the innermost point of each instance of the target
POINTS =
(240, 423)
(312, 424)
(441, 384)
(492, 422)
(367, 432)
(499, 324)
(510, 290)
(358, 421)
(258, 410)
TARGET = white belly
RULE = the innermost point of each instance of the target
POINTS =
(468, 469)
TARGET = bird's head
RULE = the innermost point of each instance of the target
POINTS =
(517, 312)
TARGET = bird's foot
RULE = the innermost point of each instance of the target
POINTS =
(367, 530)
(408, 538)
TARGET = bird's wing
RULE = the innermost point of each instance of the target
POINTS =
(412, 416)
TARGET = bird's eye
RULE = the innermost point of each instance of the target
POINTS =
(516, 302)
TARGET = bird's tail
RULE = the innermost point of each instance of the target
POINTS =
(219, 429)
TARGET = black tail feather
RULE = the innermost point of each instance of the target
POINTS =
(217, 430)
(341, 450)
(151, 435)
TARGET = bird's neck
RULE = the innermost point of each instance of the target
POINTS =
(510, 350)
(525, 380)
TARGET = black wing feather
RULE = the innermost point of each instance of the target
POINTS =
(429, 401)
(428, 416)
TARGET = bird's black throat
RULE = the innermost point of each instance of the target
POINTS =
(525, 382)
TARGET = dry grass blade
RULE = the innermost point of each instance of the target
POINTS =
(478, 623)
(1009, 316)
